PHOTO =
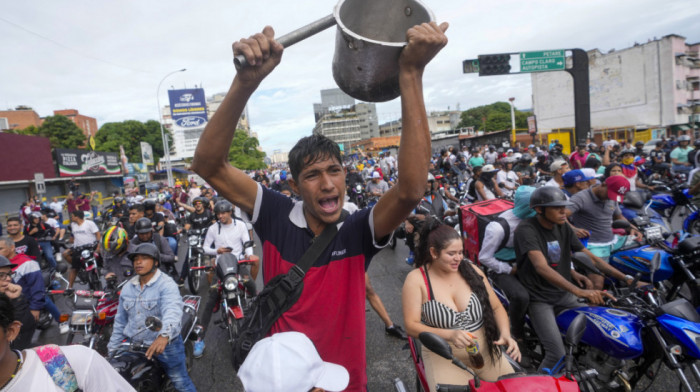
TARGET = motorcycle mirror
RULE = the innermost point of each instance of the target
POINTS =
(582, 260)
(436, 344)
(153, 323)
(576, 329)
(655, 262)
(62, 268)
(621, 224)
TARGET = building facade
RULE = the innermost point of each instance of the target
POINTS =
(342, 120)
(18, 119)
(86, 123)
(648, 86)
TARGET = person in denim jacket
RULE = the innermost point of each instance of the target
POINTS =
(153, 293)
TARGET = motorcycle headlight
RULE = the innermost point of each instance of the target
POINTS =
(81, 317)
(453, 191)
(231, 283)
(194, 241)
(358, 188)
(85, 254)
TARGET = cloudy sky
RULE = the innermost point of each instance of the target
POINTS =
(106, 58)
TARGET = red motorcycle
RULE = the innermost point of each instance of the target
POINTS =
(570, 380)
(93, 316)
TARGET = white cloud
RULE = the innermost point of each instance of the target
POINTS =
(106, 58)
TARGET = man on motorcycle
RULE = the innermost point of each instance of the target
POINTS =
(149, 211)
(543, 247)
(43, 234)
(679, 155)
(24, 244)
(287, 228)
(84, 232)
(591, 213)
(152, 293)
(115, 243)
(200, 218)
(145, 234)
(377, 186)
(524, 170)
(575, 181)
(136, 212)
(557, 168)
(228, 235)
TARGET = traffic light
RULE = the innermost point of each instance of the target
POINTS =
(494, 64)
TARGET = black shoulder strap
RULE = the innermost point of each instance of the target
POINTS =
(506, 231)
(430, 286)
(319, 244)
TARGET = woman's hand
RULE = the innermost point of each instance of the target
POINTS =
(513, 350)
(460, 339)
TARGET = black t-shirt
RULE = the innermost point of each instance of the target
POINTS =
(660, 155)
(556, 245)
(28, 246)
(525, 171)
(157, 220)
(200, 221)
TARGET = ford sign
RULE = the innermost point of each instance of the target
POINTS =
(186, 98)
(190, 122)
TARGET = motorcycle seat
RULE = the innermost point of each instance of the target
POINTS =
(689, 245)
(683, 309)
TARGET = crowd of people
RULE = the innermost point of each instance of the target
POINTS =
(318, 343)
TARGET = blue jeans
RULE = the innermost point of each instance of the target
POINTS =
(47, 248)
(51, 307)
(173, 244)
(173, 361)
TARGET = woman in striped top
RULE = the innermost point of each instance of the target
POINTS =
(449, 296)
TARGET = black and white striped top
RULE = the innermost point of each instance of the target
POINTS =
(438, 315)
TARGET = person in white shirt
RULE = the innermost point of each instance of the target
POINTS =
(84, 232)
(491, 155)
(557, 168)
(57, 206)
(506, 178)
(228, 235)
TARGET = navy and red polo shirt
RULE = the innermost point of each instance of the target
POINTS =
(331, 309)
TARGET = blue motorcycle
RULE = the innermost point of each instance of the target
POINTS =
(677, 201)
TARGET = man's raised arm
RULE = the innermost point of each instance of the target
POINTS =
(424, 42)
(210, 161)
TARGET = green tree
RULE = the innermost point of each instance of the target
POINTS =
(493, 117)
(61, 131)
(244, 153)
(130, 134)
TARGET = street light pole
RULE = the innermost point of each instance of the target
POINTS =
(166, 145)
(512, 117)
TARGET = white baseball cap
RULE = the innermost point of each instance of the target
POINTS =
(288, 361)
(376, 175)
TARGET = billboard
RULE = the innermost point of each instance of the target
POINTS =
(76, 163)
(139, 171)
(188, 109)
(146, 153)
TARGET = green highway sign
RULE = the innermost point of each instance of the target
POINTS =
(547, 60)
(470, 66)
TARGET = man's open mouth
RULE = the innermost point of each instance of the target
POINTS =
(329, 205)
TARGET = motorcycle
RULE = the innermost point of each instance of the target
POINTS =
(52, 281)
(634, 332)
(568, 377)
(93, 315)
(89, 273)
(357, 195)
(148, 375)
(196, 258)
(677, 201)
(236, 290)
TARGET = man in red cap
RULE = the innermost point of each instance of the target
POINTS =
(592, 213)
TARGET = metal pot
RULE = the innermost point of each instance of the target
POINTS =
(368, 43)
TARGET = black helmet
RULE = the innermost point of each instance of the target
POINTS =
(223, 206)
(200, 199)
(143, 225)
(35, 215)
(149, 204)
(548, 196)
(639, 144)
(526, 158)
(147, 249)
(696, 143)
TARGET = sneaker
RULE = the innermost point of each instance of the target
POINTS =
(198, 348)
(63, 328)
(396, 331)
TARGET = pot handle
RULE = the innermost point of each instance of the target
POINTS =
(295, 36)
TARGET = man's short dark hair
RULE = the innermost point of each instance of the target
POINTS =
(7, 312)
(78, 214)
(138, 207)
(309, 150)
(14, 219)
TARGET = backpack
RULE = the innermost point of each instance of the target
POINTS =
(474, 218)
(58, 367)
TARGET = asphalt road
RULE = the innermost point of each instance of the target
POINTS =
(388, 358)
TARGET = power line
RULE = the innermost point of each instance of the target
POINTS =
(69, 48)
